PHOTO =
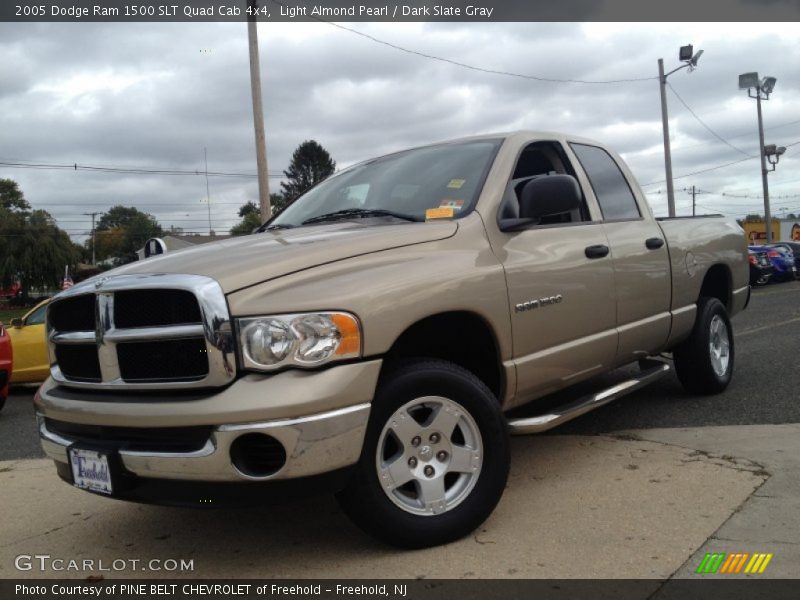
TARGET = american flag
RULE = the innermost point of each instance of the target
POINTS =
(67, 283)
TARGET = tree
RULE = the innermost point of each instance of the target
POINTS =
(251, 214)
(121, 231)
(310, 164)
(33, 250)
(251, 218)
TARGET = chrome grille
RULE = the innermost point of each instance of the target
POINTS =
(140, 332)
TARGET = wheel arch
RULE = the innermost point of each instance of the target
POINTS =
(718, 283)
(462, 337)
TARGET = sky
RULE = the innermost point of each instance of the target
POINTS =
(154, 96)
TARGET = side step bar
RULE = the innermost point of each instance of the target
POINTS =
(652, 370)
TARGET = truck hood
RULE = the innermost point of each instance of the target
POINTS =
(248, 260)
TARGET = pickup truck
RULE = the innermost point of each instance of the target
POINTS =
(374, 337)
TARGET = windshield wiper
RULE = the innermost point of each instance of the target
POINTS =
(359, 213)
(278, 226)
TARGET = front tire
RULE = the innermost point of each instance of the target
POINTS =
(435, 459)
(704, 362)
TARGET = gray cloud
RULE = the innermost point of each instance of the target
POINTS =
(153, 95)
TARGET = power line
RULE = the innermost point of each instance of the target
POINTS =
(132, 170)
(473, 67)
(699, 120)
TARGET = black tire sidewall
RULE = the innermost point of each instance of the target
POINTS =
(693, 357)
(368, 505)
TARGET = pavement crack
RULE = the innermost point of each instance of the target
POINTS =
(723, 539)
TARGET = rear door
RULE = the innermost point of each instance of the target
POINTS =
(639, 254)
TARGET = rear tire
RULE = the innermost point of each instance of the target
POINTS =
(435, 459)
(704, 362)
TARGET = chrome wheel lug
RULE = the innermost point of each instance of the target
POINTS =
(441, 455)
(412, 462)
(429, 471)
(435, 437)
(416, 441)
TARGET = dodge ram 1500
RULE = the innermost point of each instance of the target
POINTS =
(372, 338)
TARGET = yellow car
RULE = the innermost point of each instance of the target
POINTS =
(29, 344)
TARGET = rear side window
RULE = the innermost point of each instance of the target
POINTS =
(609, 184)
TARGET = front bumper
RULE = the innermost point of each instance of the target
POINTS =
(316, 442)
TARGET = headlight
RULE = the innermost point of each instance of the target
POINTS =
(304, 340)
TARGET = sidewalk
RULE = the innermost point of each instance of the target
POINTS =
(769, 521)
(575, 507)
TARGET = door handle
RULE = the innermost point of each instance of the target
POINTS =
(597, 251)
(654, 243)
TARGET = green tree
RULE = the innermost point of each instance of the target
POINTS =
(251, 218)
(251, 214)
(123, 230)
(33, 249)
(310, 164)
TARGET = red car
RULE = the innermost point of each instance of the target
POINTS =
(5, 364)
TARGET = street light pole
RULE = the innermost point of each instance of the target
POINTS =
(667, 152)
(763, 88)
(690, 59)
(764, 179)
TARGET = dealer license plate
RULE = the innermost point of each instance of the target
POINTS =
(90, 470)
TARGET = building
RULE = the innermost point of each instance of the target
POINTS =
(785, 230)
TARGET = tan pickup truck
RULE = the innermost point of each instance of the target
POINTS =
(372, 339)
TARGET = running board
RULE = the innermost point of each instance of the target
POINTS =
(653, 370)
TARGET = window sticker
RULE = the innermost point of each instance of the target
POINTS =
(443, 212)
(456, 184)
(451, 203)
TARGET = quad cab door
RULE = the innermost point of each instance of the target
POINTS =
(560, 283)
(639, 254)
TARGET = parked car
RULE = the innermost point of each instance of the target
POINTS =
(761, 268)
(6, 364)
(373, 337)
(31, 363)
(793, 247)
(782, 261)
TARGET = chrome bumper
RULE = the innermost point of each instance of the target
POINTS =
(314, 444)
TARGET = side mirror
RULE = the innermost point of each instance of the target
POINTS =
(16, 323)
(551, 195)
(542, 197)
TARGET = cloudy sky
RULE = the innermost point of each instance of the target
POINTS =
(153, 96)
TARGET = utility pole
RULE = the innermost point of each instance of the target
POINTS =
(258, 111)
(764, 171)
(662, 79)
(694, 192)
(689, 58)
(208, 193)
(93, 215)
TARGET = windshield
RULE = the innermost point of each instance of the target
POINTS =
(403, 185)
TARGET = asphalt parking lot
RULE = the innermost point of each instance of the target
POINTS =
(641, 488)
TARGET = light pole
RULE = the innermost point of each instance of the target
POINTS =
(690, 60)
(763, 88)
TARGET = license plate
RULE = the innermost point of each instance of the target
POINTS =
(90, 470)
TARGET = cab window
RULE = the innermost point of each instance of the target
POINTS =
(613, 193)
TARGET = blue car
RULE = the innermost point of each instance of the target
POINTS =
(782, 261)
